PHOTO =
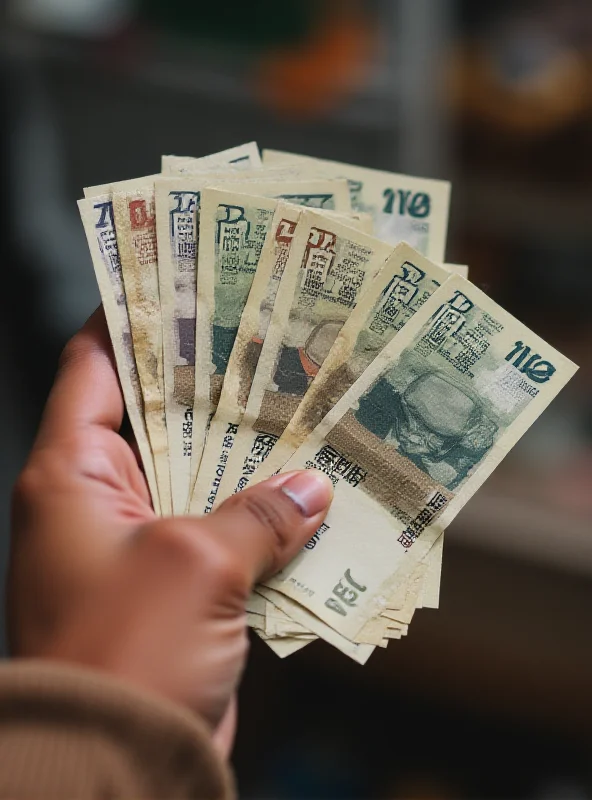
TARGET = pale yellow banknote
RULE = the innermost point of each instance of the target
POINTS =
(135, 222)
(99, 225)
(411, 442)
(404, 208)
(329, 267)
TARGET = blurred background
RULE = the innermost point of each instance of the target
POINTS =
(492, 695)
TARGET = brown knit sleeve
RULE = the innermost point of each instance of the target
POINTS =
(67, 732)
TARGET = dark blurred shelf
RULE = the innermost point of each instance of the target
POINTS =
(505, 205)
(199, 69)
(537, 533)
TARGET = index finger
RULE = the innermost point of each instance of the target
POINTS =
(86, 390)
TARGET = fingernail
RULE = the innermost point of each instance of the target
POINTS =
(310, 490)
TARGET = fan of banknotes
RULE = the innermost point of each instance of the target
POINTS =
(284, 312)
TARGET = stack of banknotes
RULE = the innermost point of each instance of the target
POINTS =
(283, 312)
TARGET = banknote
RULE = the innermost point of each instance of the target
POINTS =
(135, 223)
(329, 267)
(404, 208)
(232, 231)
(244, 156)
(402, 286)
(99, 225)
(247, 347)
(411, 442)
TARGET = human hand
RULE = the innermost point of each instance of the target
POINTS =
(96, 579)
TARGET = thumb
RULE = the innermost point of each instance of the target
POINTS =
(265, 526)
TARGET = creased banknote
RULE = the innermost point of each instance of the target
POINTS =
(135, 222)
(329, 267)
(404, 208)
(99, 225)
(233, 225)
(247, 348)
(402, 286)
(411, 442)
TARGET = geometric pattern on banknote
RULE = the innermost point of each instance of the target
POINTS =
(184, 385)
(277, 409)
(365, 459)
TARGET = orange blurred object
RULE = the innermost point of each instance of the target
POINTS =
(556, 95)
(313, 78)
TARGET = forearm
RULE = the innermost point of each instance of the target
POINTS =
(71, 732)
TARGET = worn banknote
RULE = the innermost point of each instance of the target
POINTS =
(134, 211)
(404, 208)
(99, 225)
(410, 443)
(135, 222)
(247, 348)
(329, 266)
(233, 225)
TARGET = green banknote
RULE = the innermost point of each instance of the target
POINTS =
(410, 442)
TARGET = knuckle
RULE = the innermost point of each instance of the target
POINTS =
(223, 565)
(185, 547)
(173, 542)
(270, 514)
(29, 484)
